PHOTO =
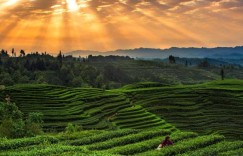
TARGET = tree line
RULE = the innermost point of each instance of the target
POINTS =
(60, 70)
(105, 72)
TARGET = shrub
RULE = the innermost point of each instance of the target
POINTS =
(34, 124)
(147, 145)
(12, 128)
(132, 138)
(13, 125)
(72, 128)
(8, 144)
(215, 149)
(103, 137)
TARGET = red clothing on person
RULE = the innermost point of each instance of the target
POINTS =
(167, 142)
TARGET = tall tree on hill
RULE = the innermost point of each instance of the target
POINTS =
(222, 74)
(33, 66)
(13, 52)
(22, 53)
(40, 64)
(66, 75)
(59, 58)
(4, 53)
(204, 64)
(172, 59)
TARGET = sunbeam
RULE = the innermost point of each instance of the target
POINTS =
(107, 25)
(11, 2)
(72, 5)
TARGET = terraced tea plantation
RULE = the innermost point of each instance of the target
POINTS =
(204, 119)
(121, 142)
(90, 108)
(136, 117)
(213, 107)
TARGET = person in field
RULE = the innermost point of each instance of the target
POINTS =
(166, 142)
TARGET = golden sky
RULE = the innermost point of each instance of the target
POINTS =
(53, 25)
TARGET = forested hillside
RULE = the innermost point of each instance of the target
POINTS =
(106, 72)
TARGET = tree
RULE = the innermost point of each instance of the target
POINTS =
(77, 81)
(34, 124)
(40, 64)
(27, 64)
(172, 59)
(4, 53)
(66, 75)
(59, 58)
(13, 124)
(99, 81)
(72, 128)
(222, 74)
(204, 64)
(13, 52)
(115, 74)
(22, 53)
(33, 66)
(6, 79)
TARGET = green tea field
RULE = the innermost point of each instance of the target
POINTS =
(203, 119)
(205, 108)
(121, 142)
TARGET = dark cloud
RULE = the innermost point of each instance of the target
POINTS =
(117, 7)
(231, 4)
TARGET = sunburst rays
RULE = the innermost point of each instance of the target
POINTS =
(72, 5)
(106, 25)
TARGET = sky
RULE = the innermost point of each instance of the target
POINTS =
(104, 25)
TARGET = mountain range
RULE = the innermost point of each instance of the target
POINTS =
(151, 53)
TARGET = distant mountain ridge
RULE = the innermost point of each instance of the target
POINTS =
(150, 53)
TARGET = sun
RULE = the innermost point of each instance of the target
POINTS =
(72, 5)
(11, 2)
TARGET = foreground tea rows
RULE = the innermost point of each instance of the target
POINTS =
(121, 142)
